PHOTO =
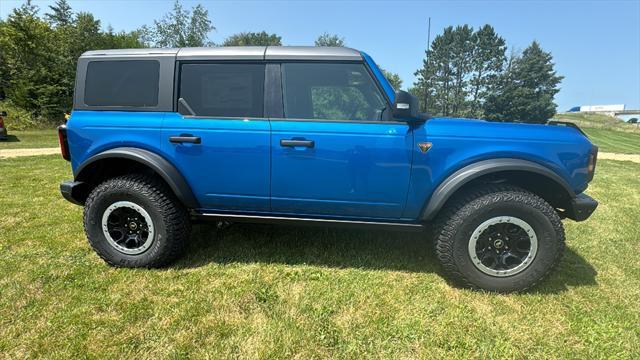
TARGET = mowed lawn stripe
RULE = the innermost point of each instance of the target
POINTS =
(614, 141)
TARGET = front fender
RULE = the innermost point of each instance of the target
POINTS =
(455, 181)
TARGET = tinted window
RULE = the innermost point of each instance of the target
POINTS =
(122, 83)
(330, 91)
(225, 90)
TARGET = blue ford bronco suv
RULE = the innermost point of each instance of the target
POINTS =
(317, 135)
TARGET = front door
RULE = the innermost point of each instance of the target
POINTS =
(219, 140)
(335, 152)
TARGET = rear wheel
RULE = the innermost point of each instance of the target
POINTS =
(499, 238)
(135, 221)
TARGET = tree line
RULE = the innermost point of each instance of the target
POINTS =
(465, 72)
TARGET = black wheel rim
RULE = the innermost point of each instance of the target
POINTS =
(127, 227)
(503, 246)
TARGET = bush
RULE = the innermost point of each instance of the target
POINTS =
(20, 119)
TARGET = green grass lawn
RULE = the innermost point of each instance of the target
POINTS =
(257, 291)
(598, 121)
(30, 139)
(614, 141)
(609, 133)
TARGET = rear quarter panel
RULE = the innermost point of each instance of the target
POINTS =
(91, 132)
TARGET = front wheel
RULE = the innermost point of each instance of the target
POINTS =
(135, 221)
(499, 238)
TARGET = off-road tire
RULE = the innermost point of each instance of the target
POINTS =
(454, 227)
(170, 220)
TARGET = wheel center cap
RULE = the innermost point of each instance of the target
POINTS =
(498, 244)
(133, 226)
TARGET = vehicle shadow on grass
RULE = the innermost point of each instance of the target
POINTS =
(573, 270)
(346, 248)
(320, 246)
(11, 138)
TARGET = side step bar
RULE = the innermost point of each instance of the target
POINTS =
(306, 221)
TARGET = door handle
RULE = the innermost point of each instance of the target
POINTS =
(185, 139)
(297, 143)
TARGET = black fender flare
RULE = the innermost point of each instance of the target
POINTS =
(157, 163)
(473, 171)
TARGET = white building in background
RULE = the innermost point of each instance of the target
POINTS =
(602, 108)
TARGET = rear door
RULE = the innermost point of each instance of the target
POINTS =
(219, 139)
(336, 152)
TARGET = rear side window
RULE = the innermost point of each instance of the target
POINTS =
(223, 90)
(128, 83)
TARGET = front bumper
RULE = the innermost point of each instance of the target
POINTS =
(581, 207)
(73, 191)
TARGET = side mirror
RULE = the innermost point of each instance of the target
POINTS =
(405, 107)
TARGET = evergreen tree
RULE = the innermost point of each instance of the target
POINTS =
(462, 55)
(253, 39)
(487, 62)
(435, 80)
(60, 15)
(327, 39)
(526, 90)
(444, 81)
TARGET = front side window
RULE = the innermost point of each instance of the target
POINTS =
(223, 90)
(126, 83)
(331, 92)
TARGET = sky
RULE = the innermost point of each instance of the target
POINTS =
(595, 44)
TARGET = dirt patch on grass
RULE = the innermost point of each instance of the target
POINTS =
(11, 153)
(624, 157)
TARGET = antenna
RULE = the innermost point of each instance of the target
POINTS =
(426, 89)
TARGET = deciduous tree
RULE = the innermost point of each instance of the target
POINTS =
(327, 39)
(394, 79)
(28, 52)
(180, 28)
(253, 39)
(38, 57)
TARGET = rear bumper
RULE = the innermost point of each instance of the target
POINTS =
(581, 207)
(73, 191)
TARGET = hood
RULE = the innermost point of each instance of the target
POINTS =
(461, 127)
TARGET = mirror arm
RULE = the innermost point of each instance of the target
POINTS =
(186, 106)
